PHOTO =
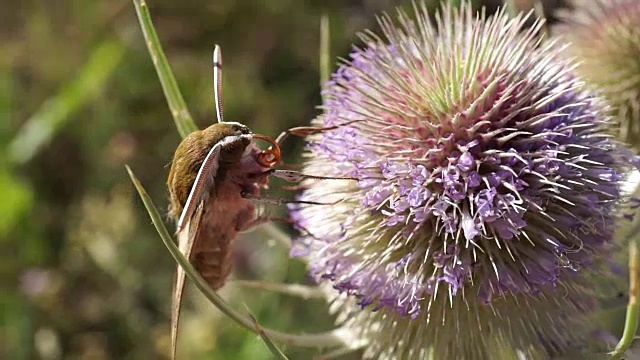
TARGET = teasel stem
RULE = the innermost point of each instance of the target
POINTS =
(631, 322)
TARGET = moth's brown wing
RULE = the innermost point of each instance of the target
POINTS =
(205, 180)
(190, 219)
(202, 184)
(186, 239)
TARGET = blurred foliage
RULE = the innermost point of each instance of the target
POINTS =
(83, 272)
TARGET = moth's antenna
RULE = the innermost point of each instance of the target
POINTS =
(217, 81)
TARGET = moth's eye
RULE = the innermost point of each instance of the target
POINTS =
(240, 129)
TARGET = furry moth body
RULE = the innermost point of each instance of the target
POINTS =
(214, 174)
(235, 170)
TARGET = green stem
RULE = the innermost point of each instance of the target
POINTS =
(631, 321)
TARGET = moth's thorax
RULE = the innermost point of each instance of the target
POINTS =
(192, 151)
(248, 172)
(244, 175)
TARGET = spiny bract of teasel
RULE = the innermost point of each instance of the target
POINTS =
(605, 36)
(486, 197)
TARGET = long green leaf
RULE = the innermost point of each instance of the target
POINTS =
(181, 116)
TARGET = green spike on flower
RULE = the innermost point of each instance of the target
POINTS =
(487, 192)
(604, 35)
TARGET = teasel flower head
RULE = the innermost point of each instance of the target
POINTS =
(605, 36)
(486, 192)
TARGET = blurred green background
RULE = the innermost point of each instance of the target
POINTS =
(83, 273)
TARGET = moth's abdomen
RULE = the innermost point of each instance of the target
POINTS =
(212, 253)
(213, 258)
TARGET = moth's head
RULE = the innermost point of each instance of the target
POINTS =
(232, 152)
(219, 131)
(236, 150)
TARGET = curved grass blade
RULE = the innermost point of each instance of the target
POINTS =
(181, 116)
(186, 238)
(631, 321)
(335, 338)
(277, 353)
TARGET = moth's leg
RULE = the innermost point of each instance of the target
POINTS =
(304, 131)
(251, 222)
(296, 187)
(280, 201)
(247, 220)
(263, 219)
(266, 218)
(294, 176)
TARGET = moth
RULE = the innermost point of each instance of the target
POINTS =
(214, 185)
